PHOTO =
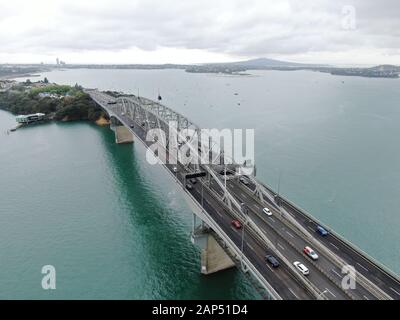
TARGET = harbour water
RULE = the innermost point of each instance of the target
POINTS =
(115, 227)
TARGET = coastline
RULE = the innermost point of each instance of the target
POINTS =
(57, 102)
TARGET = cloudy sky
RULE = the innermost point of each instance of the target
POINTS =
(186, 31)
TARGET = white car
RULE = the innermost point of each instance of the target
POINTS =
(302, 268)
(175, 169)
(267, 212)
(311, 253)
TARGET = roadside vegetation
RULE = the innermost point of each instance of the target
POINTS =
(59, 102)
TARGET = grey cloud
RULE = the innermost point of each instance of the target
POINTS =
(244, 28)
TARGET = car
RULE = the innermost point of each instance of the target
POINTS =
(244, 180)
(189, 186)
(123, 113)
(175, 169)
(236, 224)
(132, 126)
(272, 261)
(301, 267)
(310, 252)
(193, 180)
(322, 231)
(267, 212)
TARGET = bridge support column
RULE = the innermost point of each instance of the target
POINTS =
(123, 135)
(213, 256)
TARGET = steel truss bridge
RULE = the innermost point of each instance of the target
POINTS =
(221, 196)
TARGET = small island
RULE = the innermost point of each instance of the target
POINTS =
(56, 102)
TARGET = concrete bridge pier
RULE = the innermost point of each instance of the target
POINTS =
(122, 133)
(213, 256)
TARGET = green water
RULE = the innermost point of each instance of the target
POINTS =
(115, 227)
(72, 198)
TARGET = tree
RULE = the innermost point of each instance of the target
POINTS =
(45, 80)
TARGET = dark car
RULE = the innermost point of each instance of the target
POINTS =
(272, 261)
(132, 126)
(189, 186)
(193, 180)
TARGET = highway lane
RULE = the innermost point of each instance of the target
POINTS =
(287, 242)
(280, 278)
(324, 265)
(362, 264)
(388, 282)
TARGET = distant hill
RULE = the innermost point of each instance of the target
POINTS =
(386, 68)
(270, 63)
(253, 64)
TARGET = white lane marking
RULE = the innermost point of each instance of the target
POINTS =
(337, 273)
(394, 291)
(255, 206)
(272, 219)
(294, 293)
(251, 247)
(269, 268)
(311, 228)
(330, 292)
(333, 245)
(243, 195)
(290, 234)
(366, 298)
(363, 267)
(281, 246)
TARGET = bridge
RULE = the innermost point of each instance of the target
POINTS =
(217, 195)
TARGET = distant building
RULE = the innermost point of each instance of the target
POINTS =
(29, 118)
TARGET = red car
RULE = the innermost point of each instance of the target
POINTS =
(236, 224)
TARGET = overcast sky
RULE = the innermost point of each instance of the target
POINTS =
(186, 31)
